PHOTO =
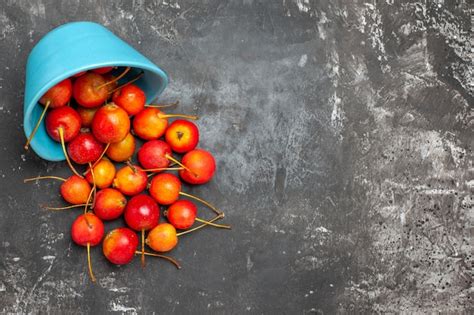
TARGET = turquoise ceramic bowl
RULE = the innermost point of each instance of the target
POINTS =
(67, 50)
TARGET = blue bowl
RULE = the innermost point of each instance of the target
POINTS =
(67, 50)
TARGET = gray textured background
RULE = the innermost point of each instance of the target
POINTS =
(343, 137)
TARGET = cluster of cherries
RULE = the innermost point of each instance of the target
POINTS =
(97, 121)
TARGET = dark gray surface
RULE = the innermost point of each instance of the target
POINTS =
(343, 137)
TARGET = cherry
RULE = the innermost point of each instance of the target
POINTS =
(119, 246)
(64, 118)
(199, 167)
(165, 188)
(110, 124)
(63, 124)
(162, 238)
(182, 214)
(109, 204)
(104, 173)
(102, 70)
(151, 123)
(130, 180)
(75, 189)
(123, 150)
(89, 90)
(85, 148)
(153, 154)
(131, 98)
(142, 213)
(182, 136)
(87, 230)
(57, 96)
(86, 114)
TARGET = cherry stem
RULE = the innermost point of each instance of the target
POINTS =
(217, 217)
(168, 258)
(26, 180)
(221, 226)
(64, 208)
(61, 136)
(98, 160)
(163, 169)
(129, 82)
(217, 211)
(32, 134)
(114, 80)
(89, 263)
(143, 248)
(163, 105)
(172, 159)
(192, 117)
(129, 164)
(92, 190)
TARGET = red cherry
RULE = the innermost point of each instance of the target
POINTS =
(90, 90)
(142, 213)
(109, 204)
(130, 180)
(182, 136)
(87, 115)
(153, 154)
(123, 150)
(162, 238)
(182, 214)
(104, 173)
(87, 228)
(201, 164)
(131, 98)
(165, 188)
(110, 124)
(119, 246)
(67, 119)
(59, 95)
(75, 190)
(84, 148)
